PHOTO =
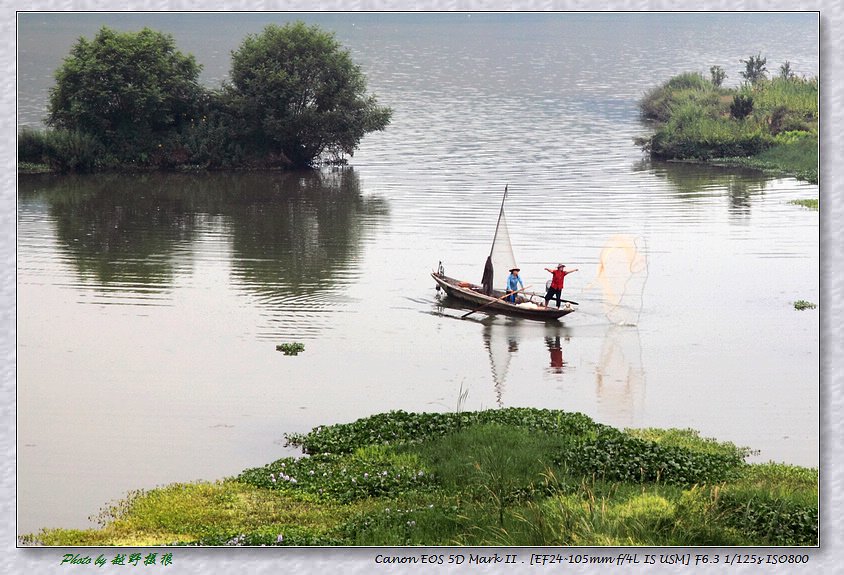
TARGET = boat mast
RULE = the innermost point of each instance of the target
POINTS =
(498, 223)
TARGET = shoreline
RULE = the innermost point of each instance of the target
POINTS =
(471, 478)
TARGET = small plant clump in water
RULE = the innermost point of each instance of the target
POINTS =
(800, 305)
(811, 204)
(291, 348)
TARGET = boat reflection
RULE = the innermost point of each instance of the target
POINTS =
(619, 376)
(501, 343)
(556, 351)
(576, 359)
(612, 355)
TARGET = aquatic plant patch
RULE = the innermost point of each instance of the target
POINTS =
(340, 478)
(399, 427)
(811, 204)
(615, 456)
(291, 348)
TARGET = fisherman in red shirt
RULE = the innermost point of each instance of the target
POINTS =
(556, 287)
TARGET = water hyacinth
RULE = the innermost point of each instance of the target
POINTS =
(402, 427)
(354, 479)
(237, 541)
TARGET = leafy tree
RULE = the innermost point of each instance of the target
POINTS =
(717, 75)
(125, 89)
(754, 68)
(295, 96)
(786, 72)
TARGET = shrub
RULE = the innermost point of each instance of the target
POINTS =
(71, 151)
(741, 107)
(696, 134)
(31, 145)
(208, 144)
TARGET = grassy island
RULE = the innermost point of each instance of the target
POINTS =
(768, 124)
(507, 477)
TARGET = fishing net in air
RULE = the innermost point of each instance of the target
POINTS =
(622, 273)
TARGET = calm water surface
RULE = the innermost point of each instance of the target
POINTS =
(149, 307)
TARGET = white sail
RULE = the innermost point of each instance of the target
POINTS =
(501, 259)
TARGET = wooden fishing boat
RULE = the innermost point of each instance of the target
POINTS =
(529, 305)
(491, 296)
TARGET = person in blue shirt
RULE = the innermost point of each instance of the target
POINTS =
(513, 283)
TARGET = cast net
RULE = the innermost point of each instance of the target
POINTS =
(622, 273)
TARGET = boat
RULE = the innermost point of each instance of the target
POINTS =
(487, 297)
(530, 306)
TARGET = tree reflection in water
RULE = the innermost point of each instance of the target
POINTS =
(282, 237)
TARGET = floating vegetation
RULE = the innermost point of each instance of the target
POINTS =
(291, 348)
(811, 204)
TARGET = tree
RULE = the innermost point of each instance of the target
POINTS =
(717, 75)
(786, 72)
(125, 89)
(295, 96)
(754, 68)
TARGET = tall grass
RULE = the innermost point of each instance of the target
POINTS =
(798, 96)
(660, 102)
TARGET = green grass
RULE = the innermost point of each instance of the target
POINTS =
(801, 305)
(181, 513)
(508, 477)
(797, 156)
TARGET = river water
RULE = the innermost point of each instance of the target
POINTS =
(150, 307)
